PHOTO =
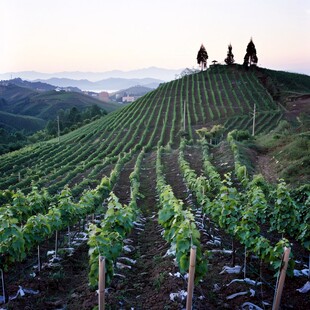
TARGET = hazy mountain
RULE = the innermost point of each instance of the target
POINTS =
(107, 84)
(151, 72)
(32, 85)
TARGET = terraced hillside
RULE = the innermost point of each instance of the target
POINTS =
(215, 96)
(168, 189)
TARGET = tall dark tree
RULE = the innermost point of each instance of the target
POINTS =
(202, 57)
(250, 56)
(230, 56)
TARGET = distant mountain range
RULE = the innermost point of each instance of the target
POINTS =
(37, 86)
(151, 72)
(106, 84)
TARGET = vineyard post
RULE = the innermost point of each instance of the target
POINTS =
(101, 285)
(39, 259)
(254, 116)
(244, 271)
(5, 299)
(69, 238)
(191, 276)
(56, 243)
(19, 177)
(58, 128)
(233, 258)
(279, 288)
(184, 115)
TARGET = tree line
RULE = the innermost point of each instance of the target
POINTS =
(69, 119)
(250, 57)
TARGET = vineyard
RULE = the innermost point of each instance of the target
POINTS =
(141, 187)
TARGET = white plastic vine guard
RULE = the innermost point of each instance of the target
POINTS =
(138, 224)
(305, 288)
(252, 294)
(177, 274)
(181, 294)
(236, 269)
(128, 248)
(215, 243)
(246, 280)
(122, 266)
(171, 250)
(300, 273)
(250, 306)
(236, 295)
(132, 261)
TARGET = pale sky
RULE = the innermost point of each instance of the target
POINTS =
(101, 35)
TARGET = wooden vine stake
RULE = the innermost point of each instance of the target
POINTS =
(244, 270)
(56, 243)
(39, 259)
(191, 276)
(309, 268)
(69, 237)
(101, 285)
(279, 288)
(5, 298)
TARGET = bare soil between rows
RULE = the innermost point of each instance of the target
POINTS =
(148, 283)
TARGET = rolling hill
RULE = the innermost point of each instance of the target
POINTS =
(171, 189)
(13, 122)
(42, 105)
(221, 95)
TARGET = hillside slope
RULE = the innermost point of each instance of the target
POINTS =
(28, 124)
(181, 190)
(221, 95)
(46, 104)
(25, 102)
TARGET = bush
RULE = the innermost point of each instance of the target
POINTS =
(283, 128)
(239, 135)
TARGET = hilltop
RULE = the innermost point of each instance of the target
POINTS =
(186, 189)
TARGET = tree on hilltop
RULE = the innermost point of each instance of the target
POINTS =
(230, 56)
(202, 57)
(250, 56)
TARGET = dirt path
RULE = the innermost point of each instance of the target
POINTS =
(193, 155)
(147, 284)
(173, 175)
(122, 187)
(266, 166)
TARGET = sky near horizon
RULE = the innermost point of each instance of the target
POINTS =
(102, 35)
